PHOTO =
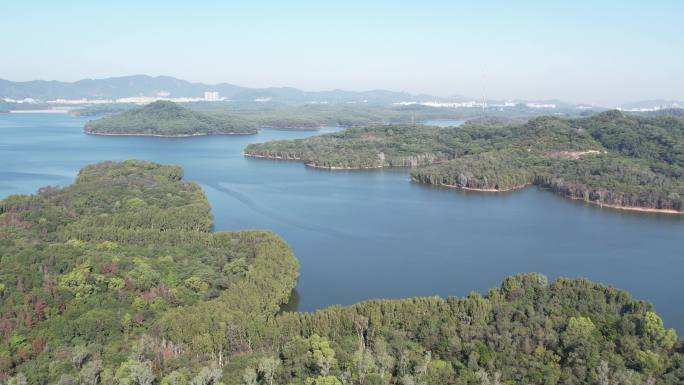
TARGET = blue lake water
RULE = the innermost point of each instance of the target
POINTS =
(374, 234)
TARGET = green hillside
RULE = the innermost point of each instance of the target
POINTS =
(163, 118)
(608, 159)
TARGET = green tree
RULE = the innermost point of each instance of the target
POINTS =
(249, 376)
(143, 276)
(207, 376)
(653, 327)
(78, 282)
(79, 356)
(142, 374)
(90, 373)
(323, 380)
(175, 378)
(196, 284)
(267, 368)
(321, 354)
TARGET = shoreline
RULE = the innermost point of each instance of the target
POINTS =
(627, 208)
(292, 128)
(491, 189)
(170, 136)
(43, 111)
(342, 168)
(599, 204)
(484, 190)
(487, 190)
(269, 157)
(312, 165)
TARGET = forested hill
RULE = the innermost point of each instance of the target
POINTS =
(164, 118)
(307, 117)
(608, 159)
(88, 270)
(126, 86)
(364, 147)
(117, 280)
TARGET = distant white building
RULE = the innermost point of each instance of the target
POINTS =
(648, 109)
(20, 101)
(211, 96)
(80, 101)
(540, 105)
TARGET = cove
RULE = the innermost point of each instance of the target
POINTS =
(374, 234)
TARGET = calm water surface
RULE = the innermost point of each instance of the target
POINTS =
(374, 234)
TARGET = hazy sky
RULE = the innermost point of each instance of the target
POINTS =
(595, 51)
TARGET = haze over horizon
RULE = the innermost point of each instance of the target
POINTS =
(606, 54)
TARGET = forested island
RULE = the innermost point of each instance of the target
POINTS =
(118, 279)
(164, 118)
(304, 117)
(315, 116)
(609, 159)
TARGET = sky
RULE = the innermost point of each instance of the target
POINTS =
(603, 52)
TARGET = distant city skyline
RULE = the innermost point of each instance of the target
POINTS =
(156, 91)
(606, 53)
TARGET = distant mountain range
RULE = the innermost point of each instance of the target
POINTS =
(170, 87)
(143, 85)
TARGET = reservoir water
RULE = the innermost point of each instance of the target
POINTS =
(374, 234)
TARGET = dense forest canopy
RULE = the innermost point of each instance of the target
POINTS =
(118, 280)
(90, 269)
(609, 159)
(166, 118)
(364, 147)
(304, 117)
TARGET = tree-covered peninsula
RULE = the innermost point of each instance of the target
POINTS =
(315, 116)
(608, 159)
(118, 280)
(364, 147)
(91, 273)
(164, 118)
(297, 117)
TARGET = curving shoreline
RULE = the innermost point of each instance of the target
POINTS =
(269, 157)
(626, 208)
(312, 165)
(488, 190)
(170, 136)
(485, 190)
